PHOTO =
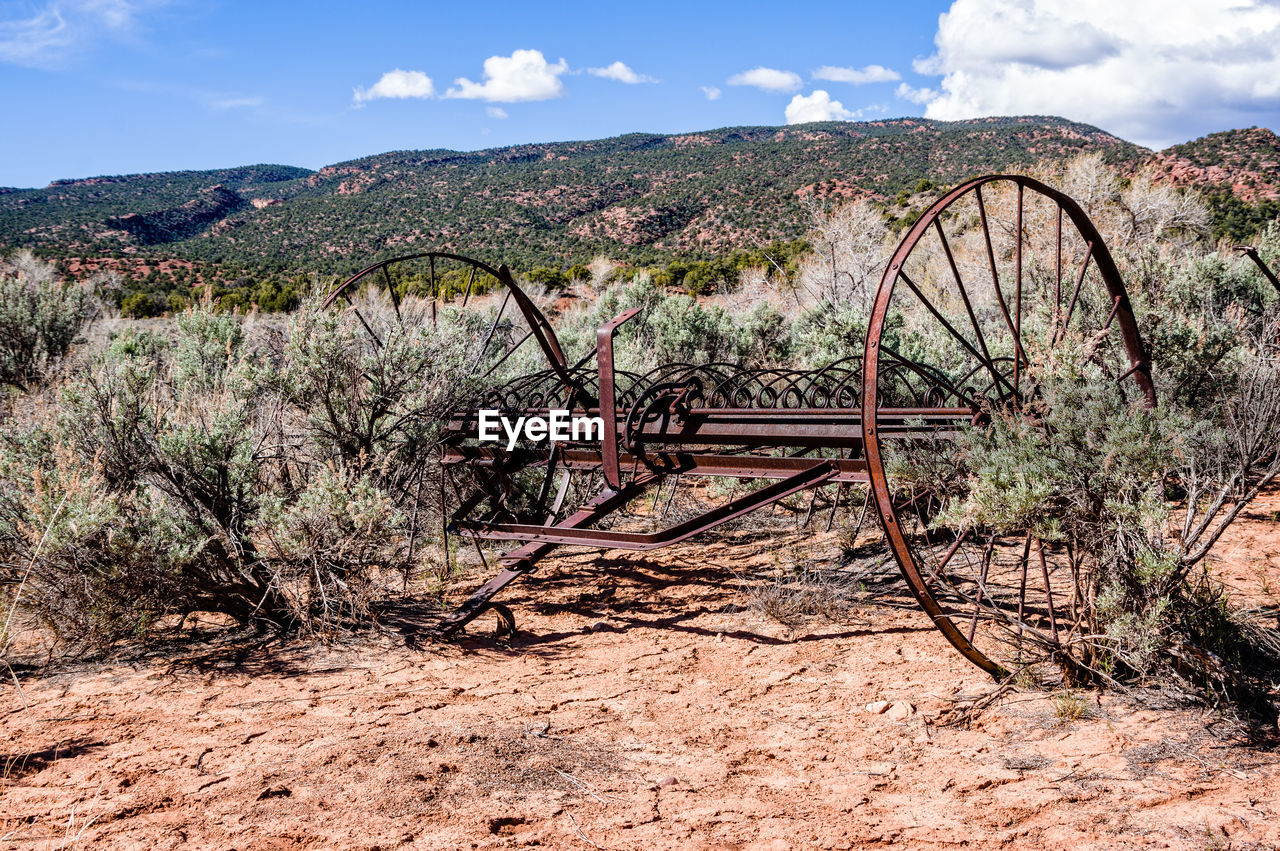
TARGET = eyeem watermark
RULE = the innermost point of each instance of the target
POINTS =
(558, 426)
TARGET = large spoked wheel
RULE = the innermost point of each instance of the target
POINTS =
(997, 279)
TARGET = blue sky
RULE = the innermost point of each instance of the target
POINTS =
(120, 86)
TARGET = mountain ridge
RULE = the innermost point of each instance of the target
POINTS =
(638, 197)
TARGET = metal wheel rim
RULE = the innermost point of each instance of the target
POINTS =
(889, 514)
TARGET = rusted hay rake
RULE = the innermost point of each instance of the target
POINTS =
(987, 286)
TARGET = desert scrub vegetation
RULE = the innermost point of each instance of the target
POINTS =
(40, 317)
(285, 473)
(279, 474)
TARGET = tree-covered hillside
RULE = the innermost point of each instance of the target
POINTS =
(255, 233)
(639, 197)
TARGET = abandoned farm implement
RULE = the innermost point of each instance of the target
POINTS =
(986, 287)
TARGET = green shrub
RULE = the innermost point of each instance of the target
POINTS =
(548, 277)
(276, 481)
(143, 305)
(40, 318)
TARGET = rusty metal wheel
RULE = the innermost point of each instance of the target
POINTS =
(990, 284)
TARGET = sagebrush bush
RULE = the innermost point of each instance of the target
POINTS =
(278, 476)
(40, 317)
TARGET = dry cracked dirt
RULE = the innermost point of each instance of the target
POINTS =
(643, 704)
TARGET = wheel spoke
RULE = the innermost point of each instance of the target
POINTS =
(942, 565)
(484, 347)
(995, 278)
(395, 299)
(1057, 276)
(1022, 586)
(952, 331)
(435, 294)
(1017, 291)
(982, 586)
(1048, 590)
(985, 358)
(470, 280)
(367, 327)
(1075, 295)
(1111, 317)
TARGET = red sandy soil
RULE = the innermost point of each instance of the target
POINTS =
(682, 720)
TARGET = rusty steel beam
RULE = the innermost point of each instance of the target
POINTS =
(811, 427)
(523, 560)
(848, 470)
(819, 474)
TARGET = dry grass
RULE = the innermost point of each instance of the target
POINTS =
(797, 597)
(1069, 707)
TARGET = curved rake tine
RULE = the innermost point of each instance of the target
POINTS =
(862, 515)
(474, 540)
(675, 485)
(566, 476)
(835, 504)
(808, 515)
(936, 377)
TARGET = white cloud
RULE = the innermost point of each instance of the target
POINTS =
(34, 40)
(768, 79)
(1148, 70)
(495, 112)
(816, 107)
(857, 76)
(52, 34)
(911, 93)
(711, 92)
(397, 84)
(524, 75)
(237, 102)
(622, 73)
